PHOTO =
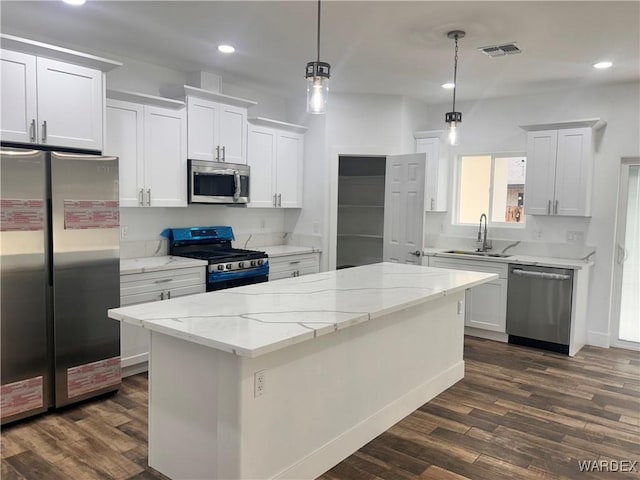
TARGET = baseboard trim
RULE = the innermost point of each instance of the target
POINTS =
(333, 452)
(486, 334)
(598, 339)
(134, 369)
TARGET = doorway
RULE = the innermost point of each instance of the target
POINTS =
(626, 282)
(361, 185)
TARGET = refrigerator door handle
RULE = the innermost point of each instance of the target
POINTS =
(148, 197)
(44, 131)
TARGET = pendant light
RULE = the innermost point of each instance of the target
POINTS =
(317, 75)
(453, 118)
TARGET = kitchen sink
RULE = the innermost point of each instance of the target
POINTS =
(477, 254)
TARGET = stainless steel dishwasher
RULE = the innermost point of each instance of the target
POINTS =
(539, 306)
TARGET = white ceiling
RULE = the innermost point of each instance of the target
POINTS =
(384, 47)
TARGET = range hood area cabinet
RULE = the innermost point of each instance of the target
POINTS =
(149, 135)
(51, 96)
(431, 143)
(276, 157)
(559, 171)
(216, 124)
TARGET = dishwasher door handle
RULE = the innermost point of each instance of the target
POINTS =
(542, 275)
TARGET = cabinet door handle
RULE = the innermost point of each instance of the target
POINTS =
(148, 197)
(32, 130)
(163, 280)
(161, 295)
(549, 208)
(141, 197)
(432, 204)
(295, 262)
(224, 153)
(279, 199)
(168, 294)
(218, 153)
(44, 131)
(275, 200)
(556, 210)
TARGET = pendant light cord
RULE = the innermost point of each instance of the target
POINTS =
(455, 74)
(318, 30)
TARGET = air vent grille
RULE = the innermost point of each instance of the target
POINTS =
(500, 50)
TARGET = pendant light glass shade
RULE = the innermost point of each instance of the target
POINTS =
(317, 75)
(453, 118)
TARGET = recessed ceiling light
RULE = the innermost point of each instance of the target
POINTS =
(602, 65)
(448, 86)
(75, 2)
(226, 49)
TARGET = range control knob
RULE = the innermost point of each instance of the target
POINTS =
(241, 265)
(220, 267)
(253, 263)
(228, 266)
(260, 262)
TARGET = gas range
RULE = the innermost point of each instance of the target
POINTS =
(228, 266)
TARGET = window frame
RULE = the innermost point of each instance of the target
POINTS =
(455, 218)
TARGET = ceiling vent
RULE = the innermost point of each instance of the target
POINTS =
(500, 50)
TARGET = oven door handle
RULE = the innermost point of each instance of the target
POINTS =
(541, 275)
(236, 179)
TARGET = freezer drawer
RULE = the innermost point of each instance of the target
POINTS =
(539, 305)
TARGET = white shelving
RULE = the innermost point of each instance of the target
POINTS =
(361, 183)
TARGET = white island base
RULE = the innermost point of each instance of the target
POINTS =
(322, 399)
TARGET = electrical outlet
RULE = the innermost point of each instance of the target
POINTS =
(124, 232)
(574, 236)
(537, 235)
(460, 309)
(259, 383)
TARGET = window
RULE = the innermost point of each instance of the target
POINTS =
(491, 184)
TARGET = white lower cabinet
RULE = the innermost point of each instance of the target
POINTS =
(293, 265)
(147, 287)
(486, 304)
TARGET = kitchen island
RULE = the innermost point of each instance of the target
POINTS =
(285, 379)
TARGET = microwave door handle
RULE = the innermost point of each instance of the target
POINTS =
(236, 178)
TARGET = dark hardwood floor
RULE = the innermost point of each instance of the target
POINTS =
(519, 413)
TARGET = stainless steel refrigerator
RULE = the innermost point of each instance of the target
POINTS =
(59, 273)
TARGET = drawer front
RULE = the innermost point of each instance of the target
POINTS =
(293, 262)
(476, 266)
(138, 283)
(164, 294)
(291, 273)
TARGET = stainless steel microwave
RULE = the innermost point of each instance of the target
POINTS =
(218, 182)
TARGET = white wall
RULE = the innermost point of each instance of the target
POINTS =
(492, 126)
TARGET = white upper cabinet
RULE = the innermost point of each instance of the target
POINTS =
(276, 155)
(436, 170)
(216, 124)
(51, 96)
(560, 167)
(149, 135)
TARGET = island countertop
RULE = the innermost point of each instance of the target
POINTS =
(257, 319)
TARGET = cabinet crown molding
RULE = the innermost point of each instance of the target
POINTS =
(428, 134)
(127, 96)
(182, 91)
(268, 122)
(594, 123)
(40, 49)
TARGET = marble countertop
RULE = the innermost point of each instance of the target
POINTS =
(261, 318)
(154, 264)
(523, 259)
(283, 250)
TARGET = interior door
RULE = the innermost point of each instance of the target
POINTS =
(404, 208)
(625, 331)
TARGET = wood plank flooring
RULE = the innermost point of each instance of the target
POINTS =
(519, 413)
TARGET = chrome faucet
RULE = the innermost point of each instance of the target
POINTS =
(486, 244)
